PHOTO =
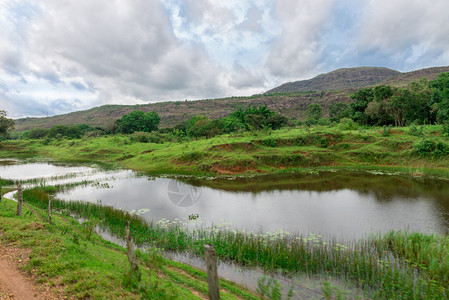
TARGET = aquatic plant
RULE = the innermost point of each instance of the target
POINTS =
(396, 265)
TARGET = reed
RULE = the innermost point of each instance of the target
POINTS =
(395, 265)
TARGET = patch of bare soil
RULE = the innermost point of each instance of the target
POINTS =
(15, 284)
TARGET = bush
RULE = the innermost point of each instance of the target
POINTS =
(145, 137)
(347, 124)
(38, 133)
(324, 122)
(445, 129)
(431, 148)
(416, 130)
(386, 131)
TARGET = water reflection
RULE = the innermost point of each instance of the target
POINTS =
(343, 205)
(340, 212)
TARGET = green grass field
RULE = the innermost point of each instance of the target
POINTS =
(253, 153)
(71, 256)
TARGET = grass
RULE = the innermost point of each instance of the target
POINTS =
(397, 265)
(72, 256)
(254, 153)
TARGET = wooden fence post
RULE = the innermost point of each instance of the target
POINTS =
(212, 276)
(130, 248)
(19, 198)
(49, 211)
(0, 194)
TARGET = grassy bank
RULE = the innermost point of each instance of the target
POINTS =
(394, 266)
(70, 257)
(404, 150)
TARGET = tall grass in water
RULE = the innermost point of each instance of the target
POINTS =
(396, 265)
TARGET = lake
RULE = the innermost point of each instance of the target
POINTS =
(342, 205)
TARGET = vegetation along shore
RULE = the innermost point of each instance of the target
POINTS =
(384, 128)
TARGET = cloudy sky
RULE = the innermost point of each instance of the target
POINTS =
(58, 56)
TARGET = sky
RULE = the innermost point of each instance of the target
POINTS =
(59, 56)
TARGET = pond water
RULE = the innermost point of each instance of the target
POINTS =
(341, 205)
(344, 205)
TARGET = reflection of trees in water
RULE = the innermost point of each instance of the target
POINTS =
(384, 188)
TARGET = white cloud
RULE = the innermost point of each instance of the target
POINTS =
(61, 55)
(297, 50)
(413, 32)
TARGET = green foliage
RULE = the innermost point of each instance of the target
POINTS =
(269, 287)
(146, 137)
(445, 129)
(38, 133)
(431, 148)
(440, 96)
(386, 131)
(416, 130)
(337, 111)
(347, 124)
(324, 122)
(232, 123)
(368, 263)
(357, 108)
(138, 121)
(253, 118)
(202, 126)
(256, 118)
(313, 113)
(63, 131)
(420, 102)
(5, 124)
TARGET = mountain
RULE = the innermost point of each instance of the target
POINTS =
(405, 78)
(290, 104)
(338, 80)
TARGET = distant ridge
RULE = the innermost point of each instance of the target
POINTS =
(290, 104)
(338, 80)
(405, 78)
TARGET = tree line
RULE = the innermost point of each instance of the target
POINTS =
(419, 103)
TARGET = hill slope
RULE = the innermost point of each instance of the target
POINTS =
(405, 78)
(338, 80)
(292, 104)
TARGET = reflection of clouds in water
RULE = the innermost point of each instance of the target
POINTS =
(349, 211)
(183, 195)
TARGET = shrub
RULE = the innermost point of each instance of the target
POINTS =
(431, 148)
(386, 131)
(445, 131)
(416, 130)
(347, 124)
(145, 137)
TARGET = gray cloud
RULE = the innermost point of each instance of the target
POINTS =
(61, 55)
(297, 50)
(411, 33)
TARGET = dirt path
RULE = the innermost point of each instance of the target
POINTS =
(15, 284)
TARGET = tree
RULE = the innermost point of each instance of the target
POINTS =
(337, 111)
(60, 131)
(440, 96)
(357, 108)
(6, 124)
(138, 121)
(255, 117)
(313, 113)
(205, 127)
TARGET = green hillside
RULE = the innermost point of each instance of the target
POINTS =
(290, 104)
